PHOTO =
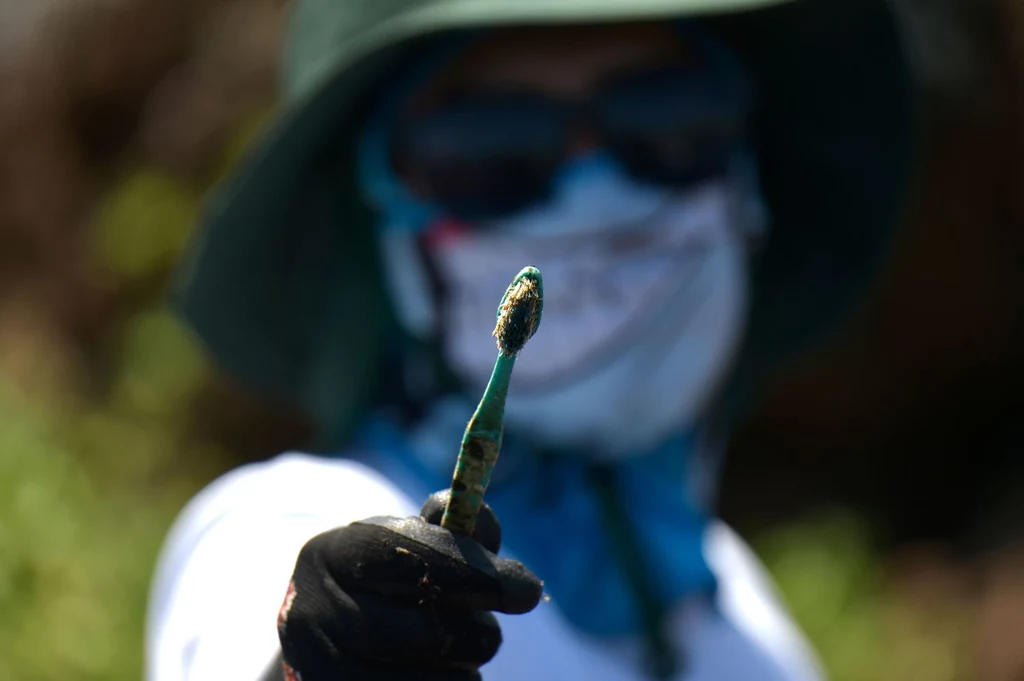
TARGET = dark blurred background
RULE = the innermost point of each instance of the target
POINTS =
(880, 479)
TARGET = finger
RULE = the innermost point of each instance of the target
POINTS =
(368, 671)
(371, 626)
(325, 663)
(488, 529)
(414, 561)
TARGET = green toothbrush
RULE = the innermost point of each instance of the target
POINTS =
(518, 318)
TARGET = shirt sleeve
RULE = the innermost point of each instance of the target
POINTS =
(226, 563)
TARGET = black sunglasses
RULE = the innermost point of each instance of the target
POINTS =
(484, 155)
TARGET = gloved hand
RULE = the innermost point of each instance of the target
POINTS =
(401, 599)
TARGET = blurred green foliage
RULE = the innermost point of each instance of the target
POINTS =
(86, 494)
(90, 472)
(835, 584)
(142, 224)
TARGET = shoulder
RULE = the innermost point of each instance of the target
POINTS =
(294, 484)
(293, 489)
(298, 483)
(752, 605)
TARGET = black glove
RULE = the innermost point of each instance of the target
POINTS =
(401, 599)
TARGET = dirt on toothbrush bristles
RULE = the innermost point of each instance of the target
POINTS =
(519, 316)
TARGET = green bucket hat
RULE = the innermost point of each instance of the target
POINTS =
(283, 282)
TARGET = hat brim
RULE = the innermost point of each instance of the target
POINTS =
(340, 39)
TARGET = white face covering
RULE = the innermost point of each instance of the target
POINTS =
(645, 301)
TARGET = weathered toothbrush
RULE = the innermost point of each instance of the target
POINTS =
(518, 318)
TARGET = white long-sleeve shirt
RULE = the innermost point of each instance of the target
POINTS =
(226, 564)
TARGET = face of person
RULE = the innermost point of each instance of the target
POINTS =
(606, 156)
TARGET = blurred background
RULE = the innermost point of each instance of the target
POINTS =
(881, 480)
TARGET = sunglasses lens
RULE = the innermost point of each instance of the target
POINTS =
(483, 156)
(672, 126)
(487, 155)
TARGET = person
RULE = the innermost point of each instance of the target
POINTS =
(707, 188)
